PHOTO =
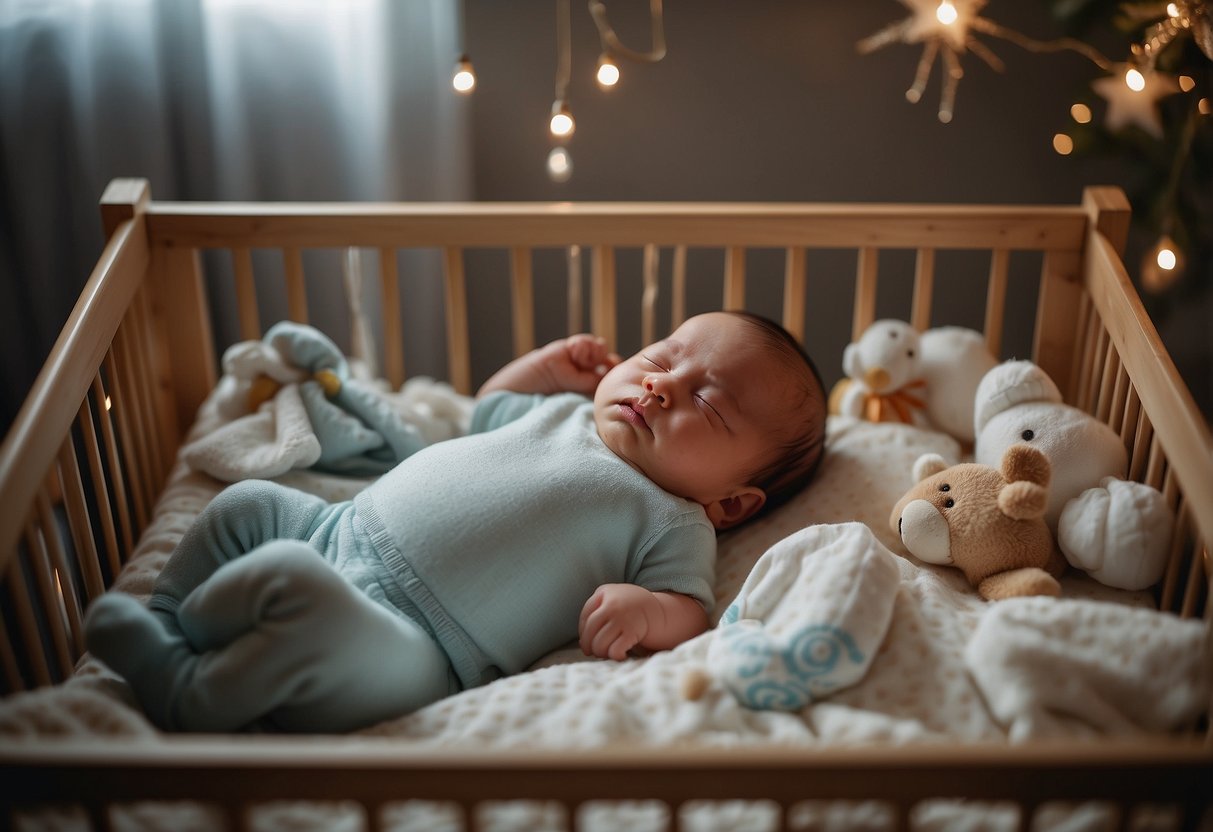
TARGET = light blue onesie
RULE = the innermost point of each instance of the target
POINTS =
(469, 560)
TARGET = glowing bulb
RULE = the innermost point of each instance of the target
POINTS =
(464, 79)
(1135, 80)
(1187, 83)
(1162, 265)
(562, 124)
(1172, 10)
(608, 72)
(108, 403)
(1081, 113)
(560, 164)
(946, 13)
(1204, 107)
(1063, 144)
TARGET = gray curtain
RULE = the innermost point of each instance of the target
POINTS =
(211, 100)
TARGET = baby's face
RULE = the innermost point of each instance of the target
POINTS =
(694, 412)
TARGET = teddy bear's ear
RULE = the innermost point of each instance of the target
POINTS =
(928, 465)
(850, 361)
(1023, 463)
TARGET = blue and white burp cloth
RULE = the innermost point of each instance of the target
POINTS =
(809, 618)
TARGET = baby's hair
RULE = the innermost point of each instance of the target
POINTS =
(799, 453)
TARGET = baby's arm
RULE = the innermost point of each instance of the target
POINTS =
(570, 365)
(619, 617)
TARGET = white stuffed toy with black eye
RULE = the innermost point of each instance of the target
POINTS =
(1116, 530)
(885, 375)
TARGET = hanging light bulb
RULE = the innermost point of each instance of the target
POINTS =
(1135, 80)
(560, 164)
(608, 72)
(464, 79)
(1162, 265)
(562, 124)
(946, 13)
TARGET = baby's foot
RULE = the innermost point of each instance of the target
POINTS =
(129, 638)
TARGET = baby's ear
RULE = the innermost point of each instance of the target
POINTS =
(735, 509)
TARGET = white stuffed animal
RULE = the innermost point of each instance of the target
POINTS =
(884, 372)
(1116, 530)
(953, 362)
(896, 374)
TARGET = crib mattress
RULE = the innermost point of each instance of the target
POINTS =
(1078, 669)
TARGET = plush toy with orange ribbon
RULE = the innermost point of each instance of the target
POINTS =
(884, 380)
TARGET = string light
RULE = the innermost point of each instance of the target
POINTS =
(562, 124)
(1162, 265)
(1063, 144)
(946, 13)
(464, 79)
(560, 164)
(608, 72)
(1081, 113)
(1134, 80)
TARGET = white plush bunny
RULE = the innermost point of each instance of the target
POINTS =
(1114, 529)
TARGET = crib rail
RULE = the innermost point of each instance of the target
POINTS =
(234, 777)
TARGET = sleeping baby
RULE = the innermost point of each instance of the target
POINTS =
(583, 503)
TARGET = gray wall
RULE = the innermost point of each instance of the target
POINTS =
(770, 100)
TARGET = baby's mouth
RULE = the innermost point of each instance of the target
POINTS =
(633, 412)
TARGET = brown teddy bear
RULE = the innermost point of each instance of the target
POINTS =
(987, 522)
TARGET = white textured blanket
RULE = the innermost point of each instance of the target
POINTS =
(948, 666)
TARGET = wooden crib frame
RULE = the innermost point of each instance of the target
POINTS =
(90, 451)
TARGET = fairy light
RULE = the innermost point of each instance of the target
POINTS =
(1204, 107)
(608, 72)
(464, 79)
(1081, 113)
(1134, 80)
(1162, 265)
(1187, 83)
(109, 404)
(946, 13)
(1166, 259)
(560, 164)
(1172, 10)
(1063, 144)
(562, 124)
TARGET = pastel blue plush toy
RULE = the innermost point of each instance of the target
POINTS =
(807, 622)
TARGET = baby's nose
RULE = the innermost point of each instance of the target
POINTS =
(658, 390)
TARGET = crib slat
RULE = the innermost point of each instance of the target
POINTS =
(1086, 310)
(865, 292)
(1131, 414)
(81, 527)
(296, 285)
(573, 257)
(602, 295)
(146, 395)
(1195, 584)
(185, 332)
(996, 299)
(648, 299)
(1090, 337)
(112, 369)
(100, 489)
(734, 279)
(66, 578)
(924, 289)
(134, 432)
(458, 355)
(1120, 395)
(1099, 358)
(678, 288)
(1154, 463)
(1107, 384)
(246, 294)
(522, 300)
(1056, 308)
(393, 332)
(1170, 579)
(115, 469)
(23, 613)
(794, 271)
(1142, 437)
(51, 597)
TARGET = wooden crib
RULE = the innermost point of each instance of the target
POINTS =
(90, 451)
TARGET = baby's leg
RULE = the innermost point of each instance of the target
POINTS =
(238, 520)
(285, 639)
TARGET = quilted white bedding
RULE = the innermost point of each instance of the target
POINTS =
(947, 667)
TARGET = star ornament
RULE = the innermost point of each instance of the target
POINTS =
(944, 28)
(1133, 97)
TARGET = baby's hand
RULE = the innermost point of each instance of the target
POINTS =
(614, 620)
(578, 363)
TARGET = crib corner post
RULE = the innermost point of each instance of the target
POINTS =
(122, 200)
(1109, 212)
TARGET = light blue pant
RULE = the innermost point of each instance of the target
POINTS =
(250, 627)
